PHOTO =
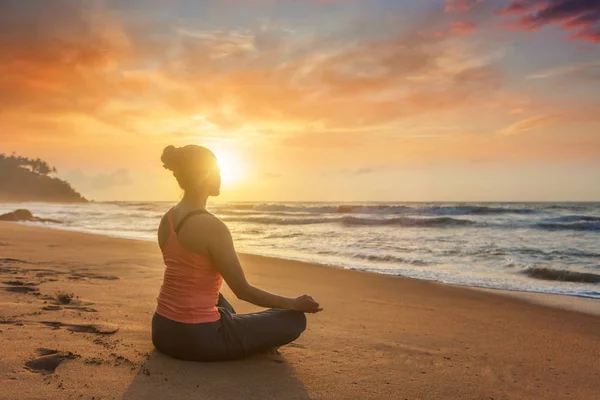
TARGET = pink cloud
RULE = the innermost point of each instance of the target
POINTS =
(518, 7)
(464, 27)
(460, 5)
(580, 16)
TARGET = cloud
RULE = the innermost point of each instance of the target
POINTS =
(580, 16)
(453, 6)
(324, 90)
(51, 67)
(310, 139)
(528, 124)
(347, 87)
(586, 68)
(311, 90)
(366, 170)
(463, 27)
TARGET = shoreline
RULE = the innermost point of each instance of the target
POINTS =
(584, 304)
(378, 337)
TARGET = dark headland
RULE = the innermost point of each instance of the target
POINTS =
(29, 180)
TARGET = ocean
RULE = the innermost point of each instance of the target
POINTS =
(538, 247)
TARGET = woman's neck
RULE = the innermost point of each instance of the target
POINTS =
(194, 200)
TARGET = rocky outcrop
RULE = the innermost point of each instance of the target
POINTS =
(25, 215)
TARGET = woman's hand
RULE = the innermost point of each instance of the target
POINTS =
(305, 304)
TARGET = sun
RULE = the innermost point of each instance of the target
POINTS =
(232, 167)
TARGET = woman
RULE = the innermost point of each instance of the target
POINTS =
(193, 321)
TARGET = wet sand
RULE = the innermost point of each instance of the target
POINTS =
(75, 313)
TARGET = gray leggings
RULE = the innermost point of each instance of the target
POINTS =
(231, 337)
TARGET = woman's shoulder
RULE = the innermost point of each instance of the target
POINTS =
(201, 231)
(203, 219)
(199, 220)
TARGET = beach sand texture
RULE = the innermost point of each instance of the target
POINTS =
(75, 313)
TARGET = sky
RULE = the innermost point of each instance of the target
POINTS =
(315, 100)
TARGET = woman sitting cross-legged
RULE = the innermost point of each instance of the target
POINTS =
(193, 321)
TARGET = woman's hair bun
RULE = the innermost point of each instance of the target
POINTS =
(170, 158)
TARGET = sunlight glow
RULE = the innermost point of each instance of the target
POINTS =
(232, 167)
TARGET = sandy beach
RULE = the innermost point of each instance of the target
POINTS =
(75, 323)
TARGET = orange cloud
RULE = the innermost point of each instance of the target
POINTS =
(528, 124)
(153, 82)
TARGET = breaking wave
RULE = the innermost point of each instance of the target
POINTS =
(550, 274)
(389, 258)
(380, 209)
(352, 221)
(574, 226)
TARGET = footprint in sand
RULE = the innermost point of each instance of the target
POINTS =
(81, 308)
(69, 301)
(90, 275)
(18, 286)
(52, 308)
(20, 283)
(103, 329)
(61, 299)
(65, 298)
(9, 270)
(48, 360)
(43, 273)
(12, 260)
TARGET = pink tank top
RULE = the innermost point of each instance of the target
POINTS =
(191, 284)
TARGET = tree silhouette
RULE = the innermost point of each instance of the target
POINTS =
(28, 179)
(36, 166)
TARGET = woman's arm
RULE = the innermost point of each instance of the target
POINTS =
(224, 257)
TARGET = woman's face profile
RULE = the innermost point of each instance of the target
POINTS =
(214, 181)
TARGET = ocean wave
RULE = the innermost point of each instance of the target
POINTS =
(331, 209)
(279, 221)
(550, 274)
(406, 221)
(551, 254)
(233, 206)
(574, 218)
(372, 209)
(389, 258)
(477, 210)
(572, 206)
(354, 221)
(284, 235)
(252, 213)
(269, 208)
(575, 226)
(152, 207)
(293, 208)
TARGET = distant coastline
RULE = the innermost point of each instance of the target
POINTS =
(25, 201)
(28, 180)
